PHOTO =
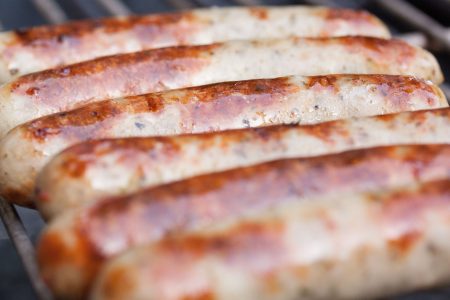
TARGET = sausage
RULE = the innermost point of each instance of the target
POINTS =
(101, 168)
(354, 246)
(75, 245)
(39, 48)
(64, 88)
(255, 103)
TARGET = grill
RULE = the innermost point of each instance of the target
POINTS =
(420, 22)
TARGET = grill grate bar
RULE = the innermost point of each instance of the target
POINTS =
(418, 20)
(329, 3)
(54, 14)
(182, 4)
(445, 87)
(115, 7)
(51, 11)
(24, 247)
(248, 2)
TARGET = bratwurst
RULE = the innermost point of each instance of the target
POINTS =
(354, 246)
(304, 100)
(39, 48)
(64, 88)
(84, 239)
(101, 168)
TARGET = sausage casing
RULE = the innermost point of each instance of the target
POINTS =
(39, 48)
(355, 246)
(254, 103)
(60, 89)
(83, 239)
(100, 168)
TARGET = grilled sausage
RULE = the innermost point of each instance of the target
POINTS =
(100, 168)
(25, 150)
(84, 239)
(64, 88)
(355, 246)
(40, 48)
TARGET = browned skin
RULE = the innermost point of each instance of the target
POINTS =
(150, 26)
(246, 244)
(259, 12)
(402, 87)
(200, 103)
(56, 86)
(376, 49)
(47, 42)
(112, 225)
(84, 154)
(174, 64)
(210, 102)
(357, 18)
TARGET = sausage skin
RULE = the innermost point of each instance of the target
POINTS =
(85, 238)
(35, 49)
(354, 246)
(60, 89)
(100, 168)
(254, 103)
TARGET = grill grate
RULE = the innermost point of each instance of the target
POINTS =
(427, 33)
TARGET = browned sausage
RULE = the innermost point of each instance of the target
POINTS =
(304, 100)
(76, 244)
(60, 89)
(99, 168)
(354, 246)
(39, 48)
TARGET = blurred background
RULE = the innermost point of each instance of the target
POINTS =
(425, 23)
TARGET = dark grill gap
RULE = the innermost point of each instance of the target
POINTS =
(422, 30)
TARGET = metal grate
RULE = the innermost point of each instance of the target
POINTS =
(426, 32)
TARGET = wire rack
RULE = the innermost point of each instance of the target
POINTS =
(426, 32)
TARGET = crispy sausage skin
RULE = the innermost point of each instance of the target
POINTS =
(353, 246)
(254, 103)
(100, 168)
(75, 245)
(64, 88)
(39, 48)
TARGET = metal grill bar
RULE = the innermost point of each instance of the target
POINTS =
(115, 7)
(418, 20)
(330, 3)
(181, 4)
(24, 247)
(51, 11)
(248, 2)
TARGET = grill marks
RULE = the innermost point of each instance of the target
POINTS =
(81, 37)
(162, 69)
(66, 87)
(265, 248)
(56, 33)
(336, 18)
(358, 17)
(112, 224)
(221, 102)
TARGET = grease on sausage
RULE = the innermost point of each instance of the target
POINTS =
(38, 48)
(85, 238)
(232, 105)
(63, 88)
(359, 245)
